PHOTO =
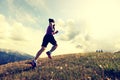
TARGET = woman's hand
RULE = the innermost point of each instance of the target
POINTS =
(55, 32)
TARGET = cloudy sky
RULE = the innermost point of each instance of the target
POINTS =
(84, 25)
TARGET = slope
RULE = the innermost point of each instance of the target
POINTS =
(87, 66)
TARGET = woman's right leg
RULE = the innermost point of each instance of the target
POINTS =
(39, 52)
(34, 62)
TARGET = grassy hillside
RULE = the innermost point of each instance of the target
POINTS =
(88, 66)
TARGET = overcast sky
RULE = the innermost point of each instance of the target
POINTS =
(84, 25)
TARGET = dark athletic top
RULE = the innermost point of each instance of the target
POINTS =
(50, 30)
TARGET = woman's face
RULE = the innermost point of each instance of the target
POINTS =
(52, 23)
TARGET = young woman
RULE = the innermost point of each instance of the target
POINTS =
(48, 38)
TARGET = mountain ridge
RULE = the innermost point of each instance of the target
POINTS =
(7, 56)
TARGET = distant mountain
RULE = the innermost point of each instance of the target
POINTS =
(7, 56)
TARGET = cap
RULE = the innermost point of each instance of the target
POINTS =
(51, 20)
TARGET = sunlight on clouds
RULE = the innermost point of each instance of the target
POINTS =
(83, 25)
(76, 34)
(19, 32)
(68, 29)
(104, 19)
(26, 17)
(83, 38)
(20, 38)
(4, 28)
(66, 48)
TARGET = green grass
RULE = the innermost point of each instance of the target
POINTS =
(87, 66)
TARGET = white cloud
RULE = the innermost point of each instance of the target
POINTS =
(4, 28)
(92, 25)
(18, 36)
(20, 14)
(76, 33)
(26, 18)
(19, 32)
(81, 37)
(68, 28)
(38, 4)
